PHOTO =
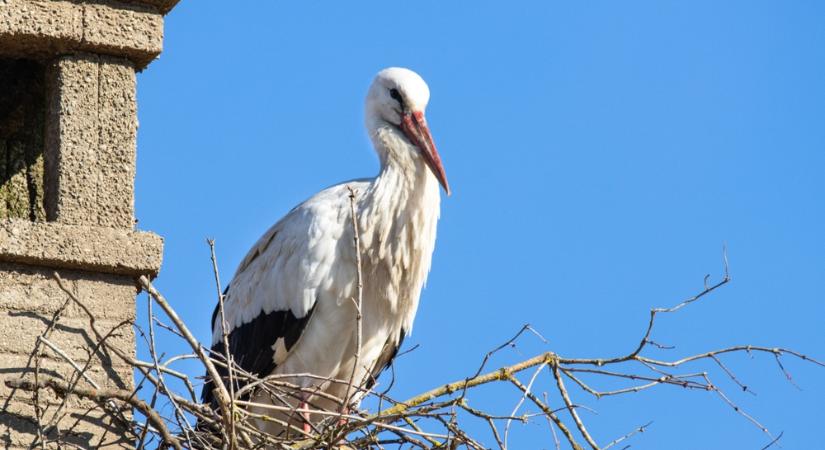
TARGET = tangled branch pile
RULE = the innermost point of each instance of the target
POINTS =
(170, 415)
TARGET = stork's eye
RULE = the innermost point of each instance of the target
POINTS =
(396, 95)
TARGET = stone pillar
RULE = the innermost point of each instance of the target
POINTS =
(68, 125)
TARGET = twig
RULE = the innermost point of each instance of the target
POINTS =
(233, 443)
(641, 429)
(573, 413)
(101, 395)
(520, 402)
(552, 427)
(774, 441)
(736, 407)
(179, 415)
(222, 394)
(547, 411)
(358, 301)
(66, 357)
(38, 412)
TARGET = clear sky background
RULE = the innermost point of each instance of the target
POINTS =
(601, 153)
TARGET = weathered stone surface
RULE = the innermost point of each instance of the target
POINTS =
(122, 29)
(82, 424)
(110, 298)
(22, 367)
(66, 204)
(39, 26)
(50, 27)
(71, 141)
(19, 331)
(90, 142)
(87, 428)
(117, 122)
(97, 249)
(34, 289)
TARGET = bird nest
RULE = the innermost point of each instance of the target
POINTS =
(169, 414)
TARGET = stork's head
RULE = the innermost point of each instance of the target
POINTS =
(398, 98)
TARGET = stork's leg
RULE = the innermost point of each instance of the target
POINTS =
(305, 417)
(343, 420)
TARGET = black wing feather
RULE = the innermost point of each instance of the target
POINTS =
(251, 344)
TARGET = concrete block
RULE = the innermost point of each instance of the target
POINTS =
(107, 250)
(72, 134)
(35, 290)
(117, 142)
(90, 142)
(46, 28)
(122, 29)
(23, 367)
(19, 331)
(29, 26)
(80, 422)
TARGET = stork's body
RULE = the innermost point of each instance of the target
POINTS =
(290, 307)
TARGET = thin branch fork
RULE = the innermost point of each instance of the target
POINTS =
(222, 394)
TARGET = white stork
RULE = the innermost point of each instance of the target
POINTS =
(289, 307)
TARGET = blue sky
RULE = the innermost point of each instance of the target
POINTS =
(600, 155)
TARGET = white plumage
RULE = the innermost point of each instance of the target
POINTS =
(289, 307)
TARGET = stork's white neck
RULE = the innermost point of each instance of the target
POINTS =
(398, 217)
(405, 181)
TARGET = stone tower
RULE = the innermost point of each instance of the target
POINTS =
(68, 129)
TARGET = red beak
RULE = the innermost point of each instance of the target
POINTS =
(415, 128)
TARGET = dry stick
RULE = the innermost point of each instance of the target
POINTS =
(520, 402)
(359, 300)
(222, 394)
(335, 414)
(142, 366)
(385, 425)
(58, 415)
(268, 418)
(776, 351)
(179, 415)
(496, 436)
(771, 443)
(646, 339)
(573, 413)
(415, 427)
(233, 443)
(81, 373)
(641, 429)
(600, 394)
(787, 374)
(522, 418)
(163, 368)
(378, 421)
(38, 413)
(552, 428)
(509, 343)
(69, 360)
(101, 396)
(745, 388)
(552, 415)
(152, 403)
(272, 381)
(736, 407)
(501, 374)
